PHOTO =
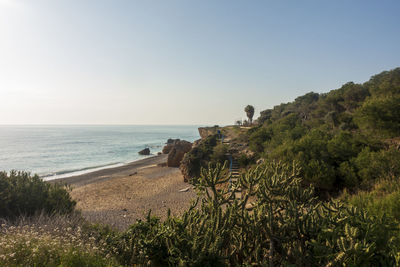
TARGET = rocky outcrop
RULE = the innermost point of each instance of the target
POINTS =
(207, 131)
(177, 151)
(145, 152)
(170, 144)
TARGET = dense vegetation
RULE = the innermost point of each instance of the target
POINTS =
(341, 139)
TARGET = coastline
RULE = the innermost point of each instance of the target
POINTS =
(62, 151)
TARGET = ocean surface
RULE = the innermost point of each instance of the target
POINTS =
(62, 151)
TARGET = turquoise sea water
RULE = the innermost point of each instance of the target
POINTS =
(62, 151)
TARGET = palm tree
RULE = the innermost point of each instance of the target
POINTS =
(249, 109)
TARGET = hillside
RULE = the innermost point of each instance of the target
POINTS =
(347, 138)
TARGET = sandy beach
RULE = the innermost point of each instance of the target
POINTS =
(121, 195)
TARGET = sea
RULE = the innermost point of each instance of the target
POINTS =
(55, 152)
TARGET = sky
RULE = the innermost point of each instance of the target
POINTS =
(183, 62)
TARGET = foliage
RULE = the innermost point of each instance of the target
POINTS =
(23, 194)
(276, 221)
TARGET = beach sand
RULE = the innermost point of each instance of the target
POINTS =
(119, 196)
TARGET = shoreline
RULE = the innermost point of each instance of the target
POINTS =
(86, 170)
(101, 174)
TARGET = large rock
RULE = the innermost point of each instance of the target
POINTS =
(170, 144)
(145, 151)
(176, 153)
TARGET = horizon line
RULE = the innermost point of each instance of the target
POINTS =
(100, 124)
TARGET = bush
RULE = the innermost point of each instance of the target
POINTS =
(23, 194)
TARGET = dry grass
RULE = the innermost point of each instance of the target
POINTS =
(50, 241)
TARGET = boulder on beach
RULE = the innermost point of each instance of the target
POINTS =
(169, 145)
(145, 151)
(177, 151)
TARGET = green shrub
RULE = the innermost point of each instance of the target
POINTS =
(23, 194)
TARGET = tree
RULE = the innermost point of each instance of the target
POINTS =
(249, 109)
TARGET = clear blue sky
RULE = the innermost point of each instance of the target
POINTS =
(183, 62)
